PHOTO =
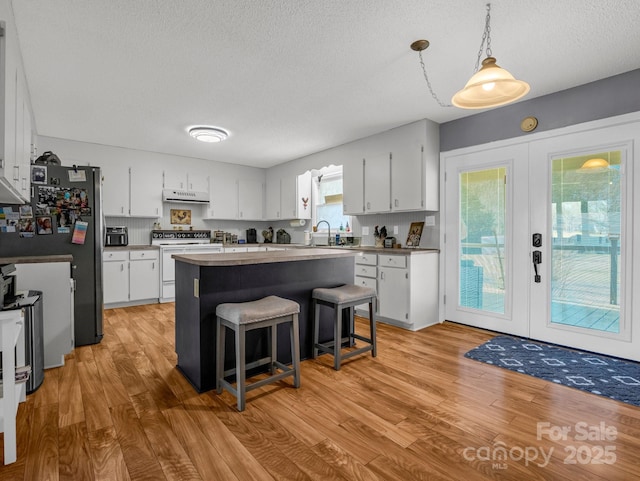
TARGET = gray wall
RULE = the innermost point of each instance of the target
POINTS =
(609, 97)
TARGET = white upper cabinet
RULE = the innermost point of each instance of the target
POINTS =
(224, 198)
(250, 199)
(181, 180)
(115, 189)
(353, 187)
(145, 192)
(273, 207)
(131, 191)
(407, 178)
(399, 171)
(15, 122)
(377, 191)
(302, 200)
(288, 197)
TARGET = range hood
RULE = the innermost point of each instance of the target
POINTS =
(190, 196)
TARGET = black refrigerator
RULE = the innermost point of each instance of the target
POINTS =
(64, 217)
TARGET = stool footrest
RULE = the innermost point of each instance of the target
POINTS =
(273, 378)
(355, 352)
(362, 338)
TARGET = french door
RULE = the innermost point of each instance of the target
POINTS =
(539, 239)
(486, 239)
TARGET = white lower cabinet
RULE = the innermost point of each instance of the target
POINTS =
(144, 275)
(407, 287)
(130, 276)
(115, 274)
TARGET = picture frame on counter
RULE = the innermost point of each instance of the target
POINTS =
(415, 233)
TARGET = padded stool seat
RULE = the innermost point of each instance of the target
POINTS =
(340, 298)
(241, 317)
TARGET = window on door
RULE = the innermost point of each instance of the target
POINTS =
(585, 263)
(482, 233)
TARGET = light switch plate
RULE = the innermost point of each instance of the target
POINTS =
(430, 220)
(365, 230)
(395, 229)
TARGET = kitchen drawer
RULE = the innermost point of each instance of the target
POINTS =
(140, 255)
(366, 282)
(113, 256)
(392, 261)
(367, 259)
(366, 271)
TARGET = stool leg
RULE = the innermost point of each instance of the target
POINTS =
(273, 332)
(220, 331)
(337, 345)
(352, 329)
(240, 369)
(295, 350)
(316, 327)
(372, 326)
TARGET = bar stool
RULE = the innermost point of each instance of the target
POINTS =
(339, 298)
(242, 317)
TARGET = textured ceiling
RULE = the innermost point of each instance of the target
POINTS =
(292, 77)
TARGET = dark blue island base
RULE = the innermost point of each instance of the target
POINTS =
(200, 288)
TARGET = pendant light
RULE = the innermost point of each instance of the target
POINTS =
(491, 86)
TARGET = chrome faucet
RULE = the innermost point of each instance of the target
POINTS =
(328, 233)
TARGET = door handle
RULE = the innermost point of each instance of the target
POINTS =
(537, 259)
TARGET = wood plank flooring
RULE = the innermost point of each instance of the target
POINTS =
(120, 410)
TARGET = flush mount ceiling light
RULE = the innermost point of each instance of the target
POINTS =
(491, 86)
(208, 134)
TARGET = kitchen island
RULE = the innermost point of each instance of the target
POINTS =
(205, 280)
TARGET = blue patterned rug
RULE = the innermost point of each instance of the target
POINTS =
(602, 375)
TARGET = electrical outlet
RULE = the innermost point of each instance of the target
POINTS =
(395, 229)
(365, 230)
(430, 220)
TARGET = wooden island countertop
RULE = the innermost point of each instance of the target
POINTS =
(269, 257)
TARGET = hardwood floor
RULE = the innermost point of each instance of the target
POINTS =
(419, 411)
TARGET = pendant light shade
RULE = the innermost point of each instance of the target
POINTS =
(491, 86)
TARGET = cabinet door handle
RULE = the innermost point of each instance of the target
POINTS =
(153, 266)
(368, 205)
(382, 276)
(121, 267)
(16, 173)
(396, 203)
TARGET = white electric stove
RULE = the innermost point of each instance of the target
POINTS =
(173, 242)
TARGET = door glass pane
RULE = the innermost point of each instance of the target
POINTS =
(585, 255)
(482, 233)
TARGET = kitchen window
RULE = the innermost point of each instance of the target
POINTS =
(327, 200)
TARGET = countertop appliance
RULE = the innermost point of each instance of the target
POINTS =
(7, 284)
(252, 236)
(173, 242)
(389, 241)
(116, 236)
(46, 227)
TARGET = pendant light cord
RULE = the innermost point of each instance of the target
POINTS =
(486, 37)
(426, 77)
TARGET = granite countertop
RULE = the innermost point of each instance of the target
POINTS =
(131, 247)
(246, 258)
(36, 259)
